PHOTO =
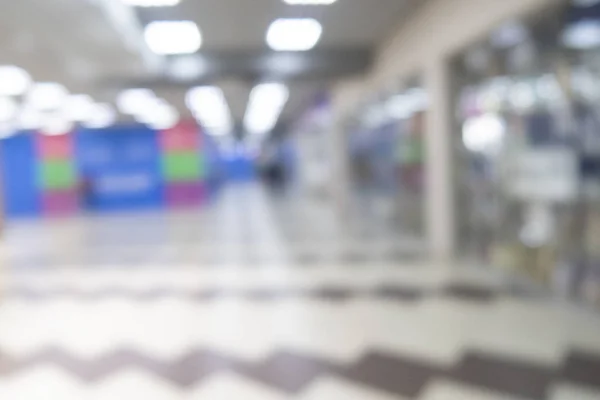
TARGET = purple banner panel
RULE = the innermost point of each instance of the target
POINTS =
(183, 194)
(61, 202)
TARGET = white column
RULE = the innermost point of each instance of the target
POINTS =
(339, 169)
(440, 211)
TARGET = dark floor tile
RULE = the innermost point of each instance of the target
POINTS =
(287, 372)
(195, 367)
(513, 377)
(267, 294)
(354, 258)
(399, 293)
(8, 365)
(401, 256)
(208, 294)
(582, 368)
(332, 293)
(397, 375)
(472, 293)
(308, 259)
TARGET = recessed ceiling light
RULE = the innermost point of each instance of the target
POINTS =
(46, 96)
(78, 107)
(151, 3)
(264, 107)
(186, 68)
(582, 35)
(209, 106)
(509, 35)
(585, 3)
(8, 109)
(310, 2)
(56, 124)
(134, 101)
(159, 115)
(29, 119)
(296, 34)
(173, 37)
(14, 81)
(103, 116)
(7, 129)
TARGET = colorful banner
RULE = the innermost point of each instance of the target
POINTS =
(183, 165)
(57, 175)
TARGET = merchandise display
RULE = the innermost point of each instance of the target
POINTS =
(528, 152)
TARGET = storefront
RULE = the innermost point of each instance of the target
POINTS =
(528, 150)
(386, 147)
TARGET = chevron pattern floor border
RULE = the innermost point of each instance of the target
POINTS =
(293, 374)
(389, 292)
(165, 307)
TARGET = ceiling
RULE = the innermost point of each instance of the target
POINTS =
(96, 46)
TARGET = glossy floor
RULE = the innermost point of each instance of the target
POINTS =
(256, 297)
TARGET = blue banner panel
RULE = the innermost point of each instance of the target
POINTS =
(120, 168)
(18, 160)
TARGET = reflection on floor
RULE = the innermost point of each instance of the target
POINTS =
(165, 307)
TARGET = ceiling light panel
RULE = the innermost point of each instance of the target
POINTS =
(56, 124)
(134, 101)
(294, 34)
(159, 115)
(310, 2)
(14, 81)
(79, 107)
(103, 116)
(8, 109)
(47, 96)
(264, 108)
(210, 108)
(582, 35)
(173, 37)
(186, 68)
(29, 119)
(151, 3)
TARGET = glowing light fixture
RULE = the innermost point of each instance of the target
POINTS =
(310, 2)
(484, 133)
(135, 101)
(585, 3)
(151, 3)
(509, 35)
(404, 105)
(522, 96)
(29, 119)
(8, 109)
(79, 107)
(46, 96)
(14, 81)
(56, 124)
(186, 68)
(159, 115)
(103, 115)
(265, 105)
(209, 106)
(173, 37)
(7, 130)
(582, 35)
(300, 34)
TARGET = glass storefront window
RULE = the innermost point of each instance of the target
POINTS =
(528, 150)
(386, 146)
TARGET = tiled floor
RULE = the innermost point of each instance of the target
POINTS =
(256, 298)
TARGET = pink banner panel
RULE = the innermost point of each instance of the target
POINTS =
(55, 147)
(63, 202)
(183, 137)
(184, 194)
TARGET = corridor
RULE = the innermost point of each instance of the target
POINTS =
(264, 297)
